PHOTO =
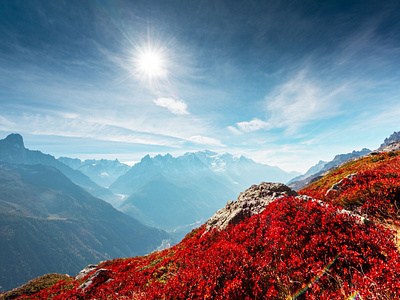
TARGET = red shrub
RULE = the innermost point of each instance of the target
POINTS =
(273, 255)
(374, 191)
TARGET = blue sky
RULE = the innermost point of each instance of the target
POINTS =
(285, 83)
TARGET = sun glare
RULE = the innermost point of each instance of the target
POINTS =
(151, 64)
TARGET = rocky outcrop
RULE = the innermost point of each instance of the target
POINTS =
(250, 202)
(255, 199)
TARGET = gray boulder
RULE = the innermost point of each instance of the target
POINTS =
(250, 202)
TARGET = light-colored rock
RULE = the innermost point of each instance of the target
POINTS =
(85, 271)
(103, 273)
(336, 187)
(250, 202)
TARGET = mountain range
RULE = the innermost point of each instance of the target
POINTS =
(395, 136)
(335, 239)
(175, 194)
(311, 171)
(178, 194)
(50, 224)
(322, 167)
(12, 150)
(49, 203)
(103, 172)
(318, 170)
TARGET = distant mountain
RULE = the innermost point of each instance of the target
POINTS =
(395, 136)
(393, 146)
(178, 193)
(311, 171)
(335, 162)
(161, 202)
(237, 172)
(241, 171)
(104, 172)
(49, 224)
(341, 158)
(12, 150)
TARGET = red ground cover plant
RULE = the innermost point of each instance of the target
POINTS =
(272, 255)
(374, 189)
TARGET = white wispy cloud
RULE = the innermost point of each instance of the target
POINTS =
(6, 124)
(177, 107)
(301, 100)
(296, 102)
(253, 125)
(56, 125)
(234, 130)
(204, 140)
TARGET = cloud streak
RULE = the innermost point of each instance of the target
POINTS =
(177, 107)
(297, 102)
(253, 125)
(302, 100)
(207, 141)
(73, 125)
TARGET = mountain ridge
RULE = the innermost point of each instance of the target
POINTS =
(338, 160)
(12, 150)
(395, 136)
(42, 208)
(197, 183)
(103, 172)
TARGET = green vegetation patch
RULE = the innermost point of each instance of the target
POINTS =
(35, 285)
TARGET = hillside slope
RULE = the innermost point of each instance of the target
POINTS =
(334, 163)
(296, 248)
(370, 186)
(49, 224)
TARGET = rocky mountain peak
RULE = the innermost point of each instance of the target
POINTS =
(392, 138)
(146, 159)
(250, 202)
(393, 146)
(12, 149)
(14, 140)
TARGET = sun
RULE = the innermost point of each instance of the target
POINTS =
(151, 63)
